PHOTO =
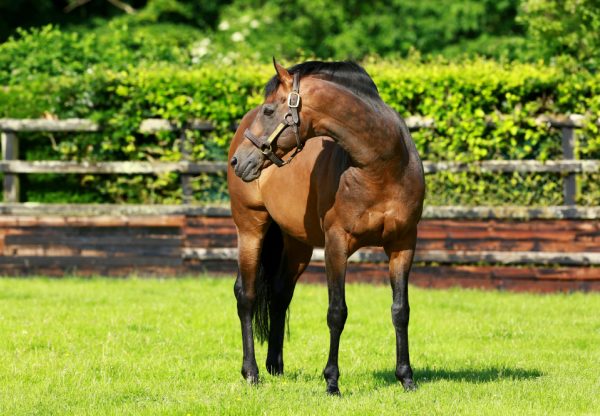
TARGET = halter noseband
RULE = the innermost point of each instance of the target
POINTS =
(291, 119)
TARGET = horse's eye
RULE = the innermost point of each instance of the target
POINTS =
(268, 111)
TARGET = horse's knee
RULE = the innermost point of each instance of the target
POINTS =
(245, 300)
(237, 287)
(400, 314)
(336, 316)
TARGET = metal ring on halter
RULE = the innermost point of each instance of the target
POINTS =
(266, 149)
(289, 119)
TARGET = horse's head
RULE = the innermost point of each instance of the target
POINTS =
(276, 130)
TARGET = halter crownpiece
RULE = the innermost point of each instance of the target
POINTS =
(291, 119)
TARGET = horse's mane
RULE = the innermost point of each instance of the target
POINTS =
(345, 73)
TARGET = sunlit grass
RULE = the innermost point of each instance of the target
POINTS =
(101, 346)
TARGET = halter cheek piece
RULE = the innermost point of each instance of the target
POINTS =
(291, 119)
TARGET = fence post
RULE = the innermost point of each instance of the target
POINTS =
(570, 180)
(186, 180)
(10, 151)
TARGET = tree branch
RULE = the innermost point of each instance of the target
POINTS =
(75, 4)
(123, 6)
(117, 3)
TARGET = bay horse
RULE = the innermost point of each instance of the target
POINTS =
(352, 178)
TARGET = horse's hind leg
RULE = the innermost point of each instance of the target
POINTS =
(296, 256)
(249, 248)
(401, 257)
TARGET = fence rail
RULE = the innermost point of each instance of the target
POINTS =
(76, 211)
(537, 253)
(153, 125)
(51, 166)
(429, 256)
(191, 168)
(12, 167)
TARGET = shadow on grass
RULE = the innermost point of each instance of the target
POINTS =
(483, 375)
(299, 375)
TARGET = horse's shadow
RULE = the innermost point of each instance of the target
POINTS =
(483, 375)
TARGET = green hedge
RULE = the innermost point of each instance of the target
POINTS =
(457, 96)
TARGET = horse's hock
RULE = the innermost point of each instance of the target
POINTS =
(513, 248)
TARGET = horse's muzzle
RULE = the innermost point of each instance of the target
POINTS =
(248, 169)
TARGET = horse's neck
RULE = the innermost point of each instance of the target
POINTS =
(371, 133)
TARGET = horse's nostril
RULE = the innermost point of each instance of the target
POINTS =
(233, 161)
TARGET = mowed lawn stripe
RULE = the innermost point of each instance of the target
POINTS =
(172, 346)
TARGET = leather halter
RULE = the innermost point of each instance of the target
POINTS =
(291, 119)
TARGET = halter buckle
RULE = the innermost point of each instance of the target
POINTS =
(293, 100)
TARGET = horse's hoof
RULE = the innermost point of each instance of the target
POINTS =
(333, 391)
(251, 376)
(409, 385)
(252, 380)
(274, 371)
(404, 375)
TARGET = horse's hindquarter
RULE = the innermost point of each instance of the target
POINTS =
(377, 207)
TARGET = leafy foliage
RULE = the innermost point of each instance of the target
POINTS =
(564, 28)
(293, 28)
(175, 59)
(32, 13)
(355, 29)
(457, 96)
(233, 30)
(91, 15)
(48, 51)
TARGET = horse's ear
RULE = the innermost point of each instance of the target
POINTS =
(282, 73)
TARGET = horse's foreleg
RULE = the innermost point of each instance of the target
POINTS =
(401, 257)
(249, 246)
(296, 257)
(335, 267)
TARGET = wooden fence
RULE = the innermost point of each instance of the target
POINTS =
(531, 251)
(548, 248)
(11, 166)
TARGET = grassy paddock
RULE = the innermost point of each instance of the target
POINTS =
(102, 346)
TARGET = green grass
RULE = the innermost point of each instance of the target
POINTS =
(101, 346)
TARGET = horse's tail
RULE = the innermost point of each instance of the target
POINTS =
(269, 271)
